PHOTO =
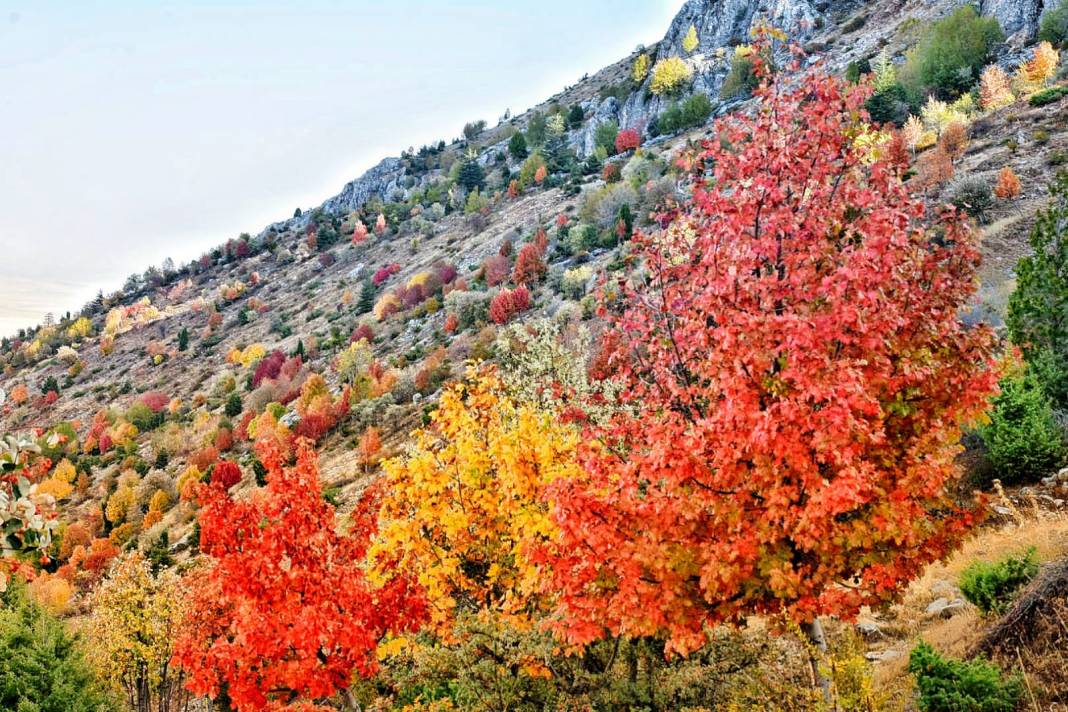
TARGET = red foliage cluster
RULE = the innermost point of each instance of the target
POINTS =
(495, 269)
(451, 323)
(627, 140)
(204, 457)
(445, 271)
(799, 378)
(268, 368)
(385, 273)
(612, 173)
(155, 400)
(245, 629)
(226, 474)
(363, 332)
(529, 267)
(509, 302)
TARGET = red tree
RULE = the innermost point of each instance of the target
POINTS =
(529, 268)
(359, 233)
(507, 303)
(627, 140)
(801, 378)
(285, 615)
(495, 269)
(451, 323)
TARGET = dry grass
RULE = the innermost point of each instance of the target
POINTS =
(907, 622)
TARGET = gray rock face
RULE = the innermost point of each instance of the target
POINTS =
(583, 141)
(379, 182)
(720, 25)
(1018, 18)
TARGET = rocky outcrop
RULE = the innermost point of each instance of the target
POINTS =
(720, 25)
(379, 182)
(1019, 19)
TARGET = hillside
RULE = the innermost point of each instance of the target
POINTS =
(346, 322)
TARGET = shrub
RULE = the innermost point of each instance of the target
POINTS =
(1023, 439)
(233, 406)
(1048, 96)
(679, 117)
(670, 76)
(143, 417)
(1054, 25)
(470, 308)
(507, 303)
(627, 140)
(990, 586)
(1008, 185)
(951, 54)
(1038, 305)
(742, 78)
(955, 685)
(973, 195)
(605, 136)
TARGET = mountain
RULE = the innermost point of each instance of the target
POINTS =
(380, 295)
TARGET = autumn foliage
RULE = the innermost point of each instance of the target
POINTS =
(1008, 185)
(284, 615)
(796, 377)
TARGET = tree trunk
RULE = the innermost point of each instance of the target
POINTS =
(350, 701)
(814, 632)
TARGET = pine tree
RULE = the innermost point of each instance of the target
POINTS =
(517, 146)
(366, 302)
(183, 339)
(159, 554)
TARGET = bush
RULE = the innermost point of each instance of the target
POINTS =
(953, 51)
(605, 136)
(990, 586)
(41, 667)
(1023, 440)
(956, 685)
(741, 80)
(1054, 25)
(142, 416)
(1048, 96)
(233, 405)
(889, 105)
(973, 195)
(670, 76)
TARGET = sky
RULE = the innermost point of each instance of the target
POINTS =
(132, 131)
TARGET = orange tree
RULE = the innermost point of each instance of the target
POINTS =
(800, 377)
(284, 615)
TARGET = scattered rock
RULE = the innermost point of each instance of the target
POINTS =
(882, 656)
(945, 608)
(869, 629)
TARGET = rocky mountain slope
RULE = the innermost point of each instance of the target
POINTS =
(312, 285)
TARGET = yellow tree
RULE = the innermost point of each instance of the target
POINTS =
(464, 506)
(690, 42)
(130, 632)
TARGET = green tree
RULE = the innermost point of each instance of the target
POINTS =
(1054, 26)
(605, 136)
(233, 405)
(183, 339)
(1023, 439)
(41, 666)
(536, 130)
(1038, 308)
(366, 302)
(952, 53)
(517, 146)
(159, 554)
(471, 176)
(575, 116)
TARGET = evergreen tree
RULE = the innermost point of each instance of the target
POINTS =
(41, 666)
(517, 146)
(233, 405)
(160, 553)
(1038, 309)
(366, 301)
(471, 176)
(183, 339)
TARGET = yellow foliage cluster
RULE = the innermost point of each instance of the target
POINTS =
(464, 507)
(80, 329)
(53, 593)
(248, 357)
(386, 305)
(641, 68)
(122, 319)
(690, 42)
(669, 75)
(128, 636)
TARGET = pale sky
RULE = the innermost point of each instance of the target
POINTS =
(134, 131)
